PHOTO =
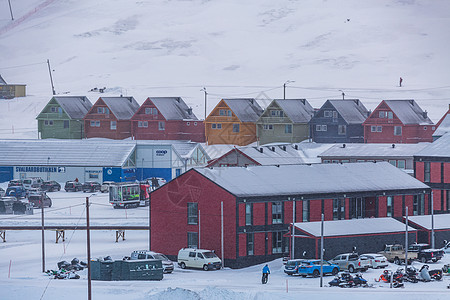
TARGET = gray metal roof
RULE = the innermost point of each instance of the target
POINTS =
(408, 111)
(441, 221)
(122, 107)
(444, 127)
(353, 227)
(246, 109)
(374, 150)
(298, 110)
(173, 108)
(439, 148)
(97, 152)
(2, 81)
(351, 110)
(76, 107)
(311, 179)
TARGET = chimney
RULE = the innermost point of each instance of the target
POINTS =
(272, 148)
(369, 112)
(411, 102)
(284, 148)
(189, 111)
(261, 150)
(303, 101)
(357, 101)
(425, 114)
(178, 99)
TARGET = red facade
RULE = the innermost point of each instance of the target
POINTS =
(150, 124)
(384, 126)
(436, 174)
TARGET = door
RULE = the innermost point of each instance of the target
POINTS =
(191, 260)
(199, 260)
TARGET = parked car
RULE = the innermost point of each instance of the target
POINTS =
(91, 186)
(305, 267)
(105, 186)
(73, 186)
(15, 182)
(351, 262)
(16, 191)
(50, 186)
(396, 254)
(2, 192)
(376, 260)
(154, 182)
(198, 258)
(32, 182)
(37, 199)
(34, 191)
(425, 253)
(145, 254)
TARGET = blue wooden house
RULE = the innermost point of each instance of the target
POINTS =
(339, 121)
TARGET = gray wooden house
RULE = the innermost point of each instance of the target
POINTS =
(62, 117)
(284, 121)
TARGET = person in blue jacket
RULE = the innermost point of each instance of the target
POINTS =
(265, 274)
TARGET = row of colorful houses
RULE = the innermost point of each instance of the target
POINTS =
(238, 121)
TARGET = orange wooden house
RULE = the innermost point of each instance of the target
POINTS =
(233, 121)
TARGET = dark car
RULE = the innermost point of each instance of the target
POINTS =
(91, 186)
(15, 182)
(37, 199)
(50, 186)
(16, 191)
(73, 186)
(425, 253)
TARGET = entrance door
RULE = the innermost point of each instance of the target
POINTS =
(371, 207)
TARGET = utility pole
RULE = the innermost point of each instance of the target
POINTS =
(10, 10)
(406, 241)
(206, 98)
(149, 223)
(51, 78)
(432, 220)
(221, 233)
(43, 235)
(293, 229)
(88, 241)
(321, 253)
(284, 87)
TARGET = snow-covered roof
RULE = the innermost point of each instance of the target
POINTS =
(374, 150)
(444, 127)
(122, 107)
(64, 152)
(439, 148)
(298, 110)
(246, 109)
(353, 227)
(351, 110)
(441, 221)
(173, 108)
(76, 107)
(311, 179)
(2, 81)
(408, 111)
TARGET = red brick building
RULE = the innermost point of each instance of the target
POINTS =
(110, 118)
(398, 121)
(258, 205)
(432, 166)
(167, 118)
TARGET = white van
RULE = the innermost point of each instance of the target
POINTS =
(32, 182)
(198, 258)
(145, 254)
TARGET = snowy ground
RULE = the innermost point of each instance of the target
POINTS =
(26, 281)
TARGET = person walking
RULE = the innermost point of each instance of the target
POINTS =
(401, 80)
(265, 274)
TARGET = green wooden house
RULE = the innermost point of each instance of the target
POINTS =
(62, 117)
(284, 121)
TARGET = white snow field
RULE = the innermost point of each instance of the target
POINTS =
(22, 278)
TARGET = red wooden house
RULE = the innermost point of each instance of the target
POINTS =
(258, 205)
(110, 118)
(166, 118)
(443, 126)
(398, 121)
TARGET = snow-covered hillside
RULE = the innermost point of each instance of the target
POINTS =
(233, 48)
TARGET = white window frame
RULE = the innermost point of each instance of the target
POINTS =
(161, 125)
(328, 113)
(396, 133)
(113, 125)
(268, 127)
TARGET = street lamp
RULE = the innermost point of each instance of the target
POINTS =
(206, 94)
(48, 168)
(284, 87)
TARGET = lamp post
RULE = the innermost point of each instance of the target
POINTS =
(48, 168)
(10, 10)
(284, 87)
(206, 97)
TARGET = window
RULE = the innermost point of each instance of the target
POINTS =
(250, 243)
(338, 209)
(382, 114)
(342, 129)
(95, 123)
(161, 126)
(305, 211)
(268, 126)
(113, 125)
(48, 122)
(151, 111)
(327, 113)
(102, 110)
(195, 123)
(326, 161)
(390, 115)
(143, 124)
(277, 113)
(229, 113)
(397, 130)
(375, 128)
(288, 128)
(321, 127)
(53, 109)
(356, 208)
(426, 169)
(192, 242)
(416, 205)
(93, 176)
(235, 127)
(277, 242)
(393, 162)
(192, 213)
(248, 214)
(447, 193)
(424, 127)
(216, 126)
(188, 123)
(401, 164)
(324, 127)
(222, 112)
(335, 114)
(277, 213)
(389, 207)
(66, 124)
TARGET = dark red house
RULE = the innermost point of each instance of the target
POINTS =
(432, 166)
(258, 205)
(167, 118)
(110, 118)
(398, 121)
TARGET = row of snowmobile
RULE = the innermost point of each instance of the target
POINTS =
(397, 278)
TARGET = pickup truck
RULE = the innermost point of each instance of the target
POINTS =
(396, 254)
(351, 262)
(425, 253)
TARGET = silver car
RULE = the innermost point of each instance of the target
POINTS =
(375, 260)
